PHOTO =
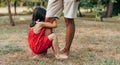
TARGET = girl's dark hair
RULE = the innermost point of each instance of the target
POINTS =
(38, 13)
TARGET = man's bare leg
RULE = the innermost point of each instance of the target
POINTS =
(70, 31)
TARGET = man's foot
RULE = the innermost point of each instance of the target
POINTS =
(63, 51)
(61, 56)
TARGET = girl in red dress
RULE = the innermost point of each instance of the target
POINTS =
(38, 41)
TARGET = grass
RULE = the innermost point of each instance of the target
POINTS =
(95, 43)
(9, 49)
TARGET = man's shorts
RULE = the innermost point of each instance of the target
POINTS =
(56, 7)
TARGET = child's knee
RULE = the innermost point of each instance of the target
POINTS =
(55, 36)
(52, 36)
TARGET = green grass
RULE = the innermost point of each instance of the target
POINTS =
(109, 62)
(9, 49)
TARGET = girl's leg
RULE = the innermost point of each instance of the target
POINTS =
(54, 39)
(55, 47)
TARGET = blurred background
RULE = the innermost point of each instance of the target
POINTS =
(97, 9)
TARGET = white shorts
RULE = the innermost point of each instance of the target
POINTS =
(56, 7)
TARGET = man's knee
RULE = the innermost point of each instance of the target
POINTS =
(69, 21)
(47, 19)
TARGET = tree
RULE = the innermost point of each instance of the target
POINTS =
(42, 3)
(80, 14)
(21, 3)
(99, 11)
(10, 15)
(15, 6)
(112, 6)
(109, 9)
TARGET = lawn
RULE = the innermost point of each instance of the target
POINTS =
(95, 43)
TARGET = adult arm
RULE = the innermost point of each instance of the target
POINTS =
(77, 0)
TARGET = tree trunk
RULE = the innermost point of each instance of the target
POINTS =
(80, 14)
(10, 15)
(99, 2)
(110, 9)
(21, 3)
(42, 3)
(36, 4)
(0, 2)
(15, 6)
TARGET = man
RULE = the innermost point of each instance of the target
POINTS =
(69, 7)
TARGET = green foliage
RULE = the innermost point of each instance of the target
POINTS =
(88, 3)
(116, 9)
(3, 3)
(107, 1)
(98, 9)
(114, 1)
(98, 12)
(92, 3)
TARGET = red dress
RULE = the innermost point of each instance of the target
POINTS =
(38, 42)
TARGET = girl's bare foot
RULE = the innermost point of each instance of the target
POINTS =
(62, 51)
(61, 56)
(37, 57)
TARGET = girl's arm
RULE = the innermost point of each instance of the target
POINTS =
(48, 24)
(38, 26)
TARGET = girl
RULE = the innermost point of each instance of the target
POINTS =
(37, 40)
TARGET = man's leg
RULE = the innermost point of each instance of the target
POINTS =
(70, 31)
(70, 12)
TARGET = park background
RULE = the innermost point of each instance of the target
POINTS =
(96, 40)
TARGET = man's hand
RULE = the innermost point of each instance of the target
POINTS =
(77, 0)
